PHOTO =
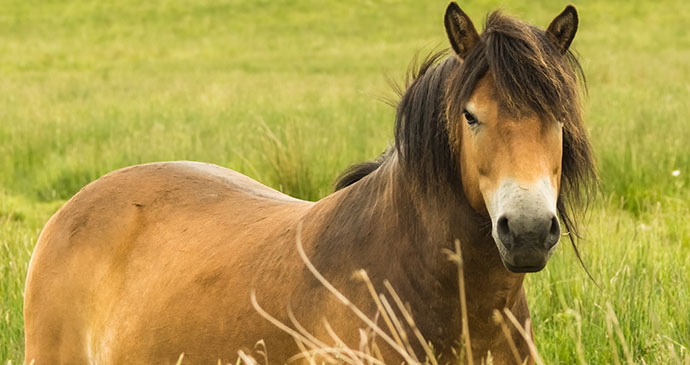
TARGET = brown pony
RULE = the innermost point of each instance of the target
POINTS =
(156, 260)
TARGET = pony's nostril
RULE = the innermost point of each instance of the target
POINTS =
(554, 232)
(502, 226)
(503, 231)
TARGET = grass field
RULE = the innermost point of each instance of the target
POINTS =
(289, 94)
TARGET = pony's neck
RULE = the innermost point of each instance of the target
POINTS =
(444, 215)
(400, 232)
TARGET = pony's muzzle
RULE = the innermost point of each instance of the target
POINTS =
(525, 225)
(527, 239)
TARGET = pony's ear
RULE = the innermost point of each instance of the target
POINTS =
(563, 27)
(460, 29)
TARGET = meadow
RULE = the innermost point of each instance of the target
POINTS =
(290, 93)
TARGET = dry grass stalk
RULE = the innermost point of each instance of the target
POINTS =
(353, 353)
(362, 274)
(243, 358)
(498, 319)
(410, 321)
(525, 335)
(374, 347)
(306, 334)
(303, 331)
(457, 257)
(340, 344)
(343, 299)
(295, 334)
(263, 352)
(328, 352)
(399, 326)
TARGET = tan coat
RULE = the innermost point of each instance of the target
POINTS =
(156, 260)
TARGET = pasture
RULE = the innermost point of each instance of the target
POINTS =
(291, 94)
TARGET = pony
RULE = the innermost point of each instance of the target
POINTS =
(155, 260)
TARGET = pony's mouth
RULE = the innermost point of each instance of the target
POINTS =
(523, 269)
(524, 259)
(529, 257)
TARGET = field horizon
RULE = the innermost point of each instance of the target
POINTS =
(291, 94)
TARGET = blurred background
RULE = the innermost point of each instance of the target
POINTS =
(290, 93)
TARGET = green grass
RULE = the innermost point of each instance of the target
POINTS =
(290, 95)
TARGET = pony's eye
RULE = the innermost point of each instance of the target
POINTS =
(471, 119)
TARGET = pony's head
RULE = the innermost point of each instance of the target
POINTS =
(515, 130)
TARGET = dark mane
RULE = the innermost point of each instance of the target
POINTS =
(531, 74)
(356, 172)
